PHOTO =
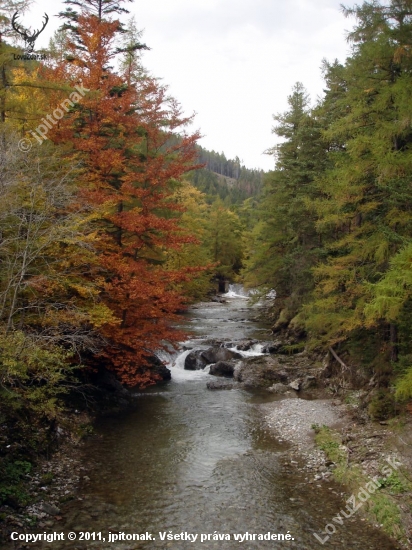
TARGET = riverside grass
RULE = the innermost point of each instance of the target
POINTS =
(383, 506)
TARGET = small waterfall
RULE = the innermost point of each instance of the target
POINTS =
(237, 291)
(253, 351)
(176, 363)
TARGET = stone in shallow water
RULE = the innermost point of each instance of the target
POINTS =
(222, 368)
(215, 354)
(194, 361)
(219, 385)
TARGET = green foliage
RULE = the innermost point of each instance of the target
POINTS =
(225, 240)
(283, 243)
(333, 229)
(386, 512)
(32, 373)
(12, 486)
(381, 507)
(395, 483)
(381, 406)
(47, 478)
(196, 252)
(48, 310)
(363, 213)
(225, 177)
(403, 388)
(328, 441)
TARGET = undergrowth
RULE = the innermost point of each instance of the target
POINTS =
(382, 506)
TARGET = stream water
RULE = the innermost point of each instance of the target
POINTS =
(196, 461)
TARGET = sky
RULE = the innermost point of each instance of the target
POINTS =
(232, 62)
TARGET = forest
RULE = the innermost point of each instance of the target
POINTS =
(113, 219)
(333, 234)
(107, 232)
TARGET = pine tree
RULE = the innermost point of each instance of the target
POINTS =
(366, 195)
(284, 241)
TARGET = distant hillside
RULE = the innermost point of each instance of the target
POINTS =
(225, 178)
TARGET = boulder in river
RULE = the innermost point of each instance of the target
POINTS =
(222, 368)
(158, 367)
(259, 372)
(194, 361)
(215, 354)
(198, 359)
(273, 347)
(246, 345)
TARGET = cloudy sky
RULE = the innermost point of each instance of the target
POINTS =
(233, 62)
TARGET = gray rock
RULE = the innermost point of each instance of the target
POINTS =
(222, 368)
(273, 347)
(215, 354)
(258, 372)
(194, 361)
(245, 346)
(49, 523)
(218, 299)
(295, 385)
(198, 359)
(283, 376)
(219, 385)
(50, 509)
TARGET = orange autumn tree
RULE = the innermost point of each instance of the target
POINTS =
(134, 149)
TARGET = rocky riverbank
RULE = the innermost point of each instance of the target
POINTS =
(41, 465)
(330, 434)
(48, 484)
(306, 397)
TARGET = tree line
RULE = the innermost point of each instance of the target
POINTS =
(334, 228)
(104, 237)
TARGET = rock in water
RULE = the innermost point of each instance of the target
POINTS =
(222, 368)
(259, 372)
(215, 354)
(219, 385)
(272, 347)
(198, 359)
(194, 361)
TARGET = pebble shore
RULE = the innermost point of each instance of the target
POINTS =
(291, 421)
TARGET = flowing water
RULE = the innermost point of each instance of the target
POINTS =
(190, 460)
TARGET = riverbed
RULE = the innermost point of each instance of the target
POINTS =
(188, 460)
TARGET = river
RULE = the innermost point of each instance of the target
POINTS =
(191, 460)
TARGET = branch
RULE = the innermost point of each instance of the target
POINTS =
(338, 359)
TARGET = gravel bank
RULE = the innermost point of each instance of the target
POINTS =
(291, 421)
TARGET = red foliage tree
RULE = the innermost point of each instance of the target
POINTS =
(126, 135)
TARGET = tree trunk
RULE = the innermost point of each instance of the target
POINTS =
(393, 332)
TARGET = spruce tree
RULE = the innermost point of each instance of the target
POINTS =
(284, 242)
(364, 206)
